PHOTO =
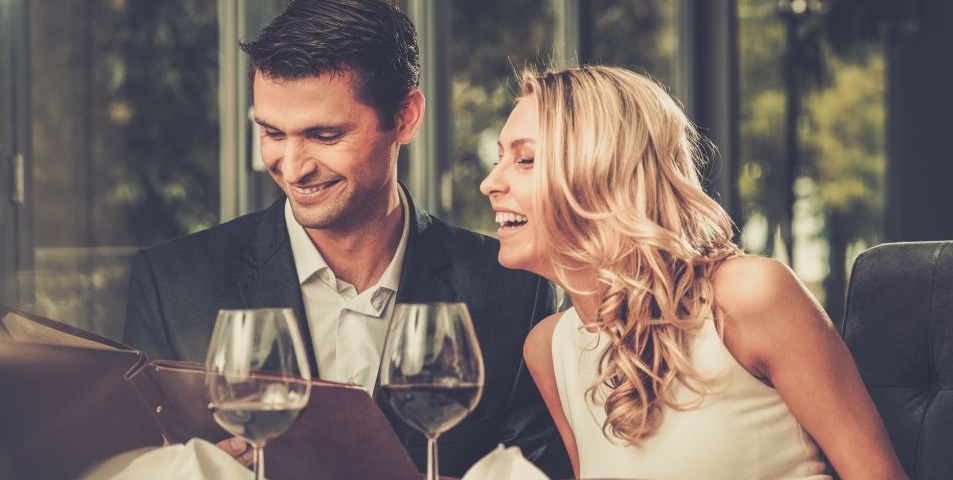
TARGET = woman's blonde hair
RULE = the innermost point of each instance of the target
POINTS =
(618, 190)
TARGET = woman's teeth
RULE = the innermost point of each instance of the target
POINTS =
(510, 220)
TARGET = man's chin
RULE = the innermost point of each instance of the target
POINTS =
(315, 220)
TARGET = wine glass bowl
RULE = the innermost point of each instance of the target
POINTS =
(431, 409)
(263, 409)
(432, 370)
(257, 375)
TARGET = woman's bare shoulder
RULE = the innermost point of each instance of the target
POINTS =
(753, 284)
(542, 333)
(764, 307)
(540, 338)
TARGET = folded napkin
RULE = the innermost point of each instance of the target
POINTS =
(504, 464)
(195, 460)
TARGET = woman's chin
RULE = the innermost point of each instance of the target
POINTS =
(518, 262)
(508, 262)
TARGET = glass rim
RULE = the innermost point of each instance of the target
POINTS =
(430, 304)
(255, 309)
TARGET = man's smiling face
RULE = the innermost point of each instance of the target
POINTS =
(325, 149)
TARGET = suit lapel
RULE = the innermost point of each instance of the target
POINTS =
(424, 278)
(425, 273)
(270, 279)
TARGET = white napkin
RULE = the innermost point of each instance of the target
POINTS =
(195, 460)
(504, 464)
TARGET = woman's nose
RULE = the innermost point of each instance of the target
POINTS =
(493, 184)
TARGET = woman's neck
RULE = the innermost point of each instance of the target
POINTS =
(585, 291)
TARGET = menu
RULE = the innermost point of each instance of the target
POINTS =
(72, 399)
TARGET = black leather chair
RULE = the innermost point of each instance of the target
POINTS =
(899, 328)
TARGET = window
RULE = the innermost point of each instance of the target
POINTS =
(639, 34)
(827, 173)
(125, 122)
(123, 144)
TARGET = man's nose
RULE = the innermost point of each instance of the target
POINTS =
(297, 162)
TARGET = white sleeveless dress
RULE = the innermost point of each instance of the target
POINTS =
(742, 430)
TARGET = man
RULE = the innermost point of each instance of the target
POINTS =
(334, 87)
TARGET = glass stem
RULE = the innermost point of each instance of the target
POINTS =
(259, 463)
(433, 470)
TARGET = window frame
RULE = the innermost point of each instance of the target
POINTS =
(15, 152)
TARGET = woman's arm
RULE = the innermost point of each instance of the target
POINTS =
(538, 353)
(775, 329)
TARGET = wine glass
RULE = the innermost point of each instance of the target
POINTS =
(432, 370)
(257, 375)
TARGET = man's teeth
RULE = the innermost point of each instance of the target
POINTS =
(309, 190)
(510, 219)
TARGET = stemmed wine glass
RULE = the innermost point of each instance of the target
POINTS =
(432, 370)
(257, 375)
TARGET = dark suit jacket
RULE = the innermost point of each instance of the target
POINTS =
(177, 287)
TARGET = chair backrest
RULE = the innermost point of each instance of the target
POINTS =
(899, 328)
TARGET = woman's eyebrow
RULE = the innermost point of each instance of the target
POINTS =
(519, 142)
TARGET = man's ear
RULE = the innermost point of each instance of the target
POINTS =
(410, 117)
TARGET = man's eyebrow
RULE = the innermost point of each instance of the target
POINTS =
(308, 130)
(336, 127)
(263, 123)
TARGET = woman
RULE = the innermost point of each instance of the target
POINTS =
(682, 358)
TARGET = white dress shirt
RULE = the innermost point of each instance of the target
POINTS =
(347, 327)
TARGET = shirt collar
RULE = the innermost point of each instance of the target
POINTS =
(391, 277)
(308, 260)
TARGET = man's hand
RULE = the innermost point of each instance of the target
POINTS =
(239, 449)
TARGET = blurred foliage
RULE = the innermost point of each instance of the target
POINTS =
(761, 38)
(853, 24)
(124, 125)
(637, 34)
(166, 74)
(844, 144)
(841, 129)
(130, 144)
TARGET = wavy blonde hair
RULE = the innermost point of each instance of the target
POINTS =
(618, 191)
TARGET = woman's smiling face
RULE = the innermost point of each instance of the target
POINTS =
(510, 188)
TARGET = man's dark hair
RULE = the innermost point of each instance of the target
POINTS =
(370, 39)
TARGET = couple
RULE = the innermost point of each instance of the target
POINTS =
(681, 358)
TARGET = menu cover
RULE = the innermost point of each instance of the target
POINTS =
(340, 434)
(72, 399)
(65, 403)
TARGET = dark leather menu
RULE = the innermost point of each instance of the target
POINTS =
(63, 409)
(67, 406)
(340, 434)
(26, 327)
